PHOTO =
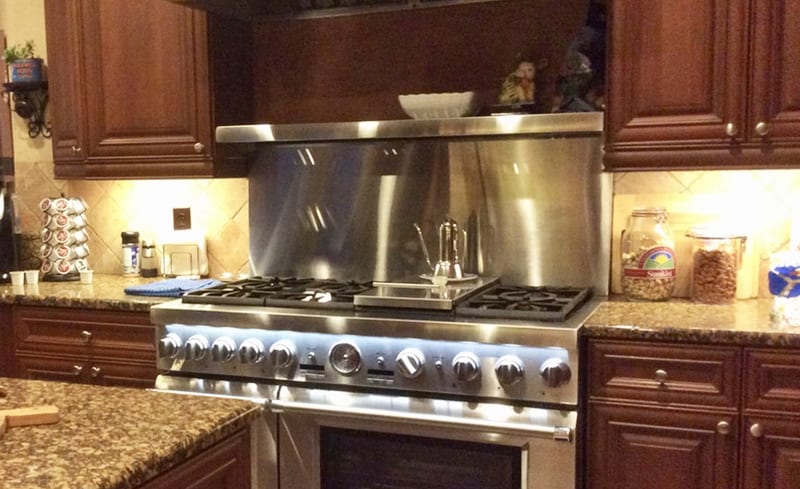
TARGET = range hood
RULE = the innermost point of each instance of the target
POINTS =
(540, 125)
(258, 9)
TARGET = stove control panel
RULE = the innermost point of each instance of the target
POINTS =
(505, 371)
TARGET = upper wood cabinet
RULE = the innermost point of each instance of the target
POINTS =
(136, 89)
(703, 84)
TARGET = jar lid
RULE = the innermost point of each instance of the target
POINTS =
(648, 211)
(714, 232)
(130, 237)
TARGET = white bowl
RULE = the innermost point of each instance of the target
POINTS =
(439, 105)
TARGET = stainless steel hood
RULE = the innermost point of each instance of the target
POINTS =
(542, 125)
(258, 9)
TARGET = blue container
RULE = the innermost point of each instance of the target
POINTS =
(26, 70)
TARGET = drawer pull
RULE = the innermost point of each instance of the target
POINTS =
(723, 427)
(757, 430)
(76, 370)
(86, 336)
(762, 129)
(661, 376)
(199, 147)
(731, 129)
(95, 372)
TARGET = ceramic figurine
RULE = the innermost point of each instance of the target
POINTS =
(520, 86)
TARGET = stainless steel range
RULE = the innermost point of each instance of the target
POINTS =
(362, 355)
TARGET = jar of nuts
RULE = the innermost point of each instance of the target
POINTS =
(648, 258)
(716, 256)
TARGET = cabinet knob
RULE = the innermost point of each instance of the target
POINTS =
(95, 372)
(76, 149)
(757, 430)
(86, 336)
(661, 376)
(199, 147)
(762, 128)
(723, 427)
(731, 129)
(77, 369)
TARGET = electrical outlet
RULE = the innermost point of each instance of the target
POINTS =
(181, 218)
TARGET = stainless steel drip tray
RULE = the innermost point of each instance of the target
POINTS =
(421, 294)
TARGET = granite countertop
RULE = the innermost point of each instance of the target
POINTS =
(745, 322)
(110, 437)
(106, 291)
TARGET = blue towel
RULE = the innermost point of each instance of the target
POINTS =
(173, 287)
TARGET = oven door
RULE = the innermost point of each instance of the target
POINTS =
(332, 439)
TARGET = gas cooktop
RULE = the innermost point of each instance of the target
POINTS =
(483, 297)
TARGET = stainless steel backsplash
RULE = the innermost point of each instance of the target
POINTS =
(536, 209)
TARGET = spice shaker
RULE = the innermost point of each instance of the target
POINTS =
(716, 257)
(130, 252)
(149, 266)
(648, 257)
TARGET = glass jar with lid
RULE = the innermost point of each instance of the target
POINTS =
(716, 256)
(648, 257)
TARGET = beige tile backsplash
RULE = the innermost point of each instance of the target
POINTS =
(760, 204)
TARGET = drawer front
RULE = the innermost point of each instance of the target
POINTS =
(84, 332)
(773, 380)
(664, 373)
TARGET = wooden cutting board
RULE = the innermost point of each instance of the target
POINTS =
(28, 416)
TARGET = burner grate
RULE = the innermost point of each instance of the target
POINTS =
(281, 291)
(524, 302)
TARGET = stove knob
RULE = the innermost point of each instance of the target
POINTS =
(555, 372)
(282, 353)
(509, 370)
(196, 347)
(466, 367)
(410, 362)
(251, 351)
(169, 346)
(223, 349)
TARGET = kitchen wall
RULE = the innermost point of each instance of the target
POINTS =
(219, 207)
(760, 204)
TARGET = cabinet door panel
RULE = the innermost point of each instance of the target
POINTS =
(772, 461)
(58, 369)
(64, 64)
(123, 374)
(634, 448)
(153, 100)
(773, 380)
(664, 373)
(676, 72)
(776, 70)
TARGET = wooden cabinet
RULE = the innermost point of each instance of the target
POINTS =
(6, 334)
(663, 417)
(669, 416)
(703, 84)
(771, 419)
(225, 465)
(136, 89)
(88, 346)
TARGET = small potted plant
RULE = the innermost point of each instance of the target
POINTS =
(25, 67)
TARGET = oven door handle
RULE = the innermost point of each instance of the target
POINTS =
(558, 433)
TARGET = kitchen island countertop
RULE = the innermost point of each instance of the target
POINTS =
(109, 437)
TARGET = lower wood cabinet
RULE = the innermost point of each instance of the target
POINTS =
(671, 416)
(6, 335)
(88, 346)
(225, 465)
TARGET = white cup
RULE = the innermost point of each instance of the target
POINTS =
(32, 276)
(86, 276)
(17, 278)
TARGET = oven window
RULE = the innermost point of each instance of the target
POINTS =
(367, 460)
